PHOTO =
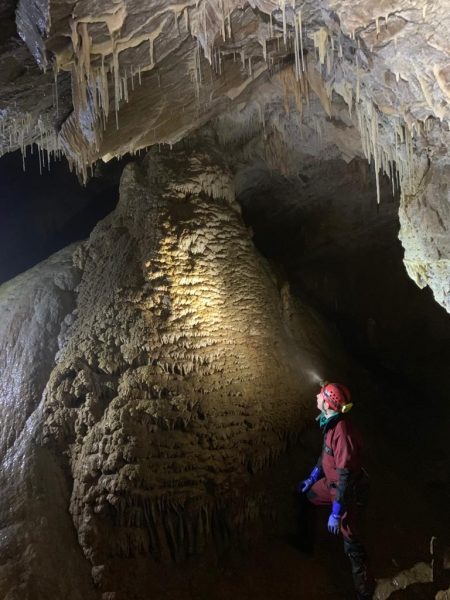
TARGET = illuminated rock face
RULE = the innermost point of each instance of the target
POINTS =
(149, 376)
(176, 381)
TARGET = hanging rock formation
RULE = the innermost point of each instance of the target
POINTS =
(141, 76)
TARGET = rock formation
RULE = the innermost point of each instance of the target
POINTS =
(35, 307)
(179, 375)
(139, 77)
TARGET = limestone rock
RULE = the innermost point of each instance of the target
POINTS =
(139, 77)
(39, 557)
(184, 373)
(425, 226)
(33, 306)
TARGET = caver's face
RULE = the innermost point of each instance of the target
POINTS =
(320, 400)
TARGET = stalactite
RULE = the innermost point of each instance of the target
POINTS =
(320, 39)
(297, 50)
(358, 79)
(20, 131)
(283, 10)
(55, 75)
(229, 30)
(395, 160)
(300, 27)
(222, 21)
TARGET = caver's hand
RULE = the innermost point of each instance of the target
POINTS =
(334, 520)
(304, 486)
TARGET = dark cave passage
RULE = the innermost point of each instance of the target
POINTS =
(42, 212)
(340, 250)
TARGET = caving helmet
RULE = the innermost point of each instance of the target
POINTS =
(337, 396)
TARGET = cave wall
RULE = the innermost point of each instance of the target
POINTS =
(425, 225)
(37, 541)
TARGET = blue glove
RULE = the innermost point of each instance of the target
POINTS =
(305, 485)
(334, 520)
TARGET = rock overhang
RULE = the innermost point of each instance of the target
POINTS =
(143, 76)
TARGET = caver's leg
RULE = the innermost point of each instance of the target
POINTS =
(318, 495)
(306, 531)
(362, 577)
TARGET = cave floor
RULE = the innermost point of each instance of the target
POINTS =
(408, 505)
(272, 569)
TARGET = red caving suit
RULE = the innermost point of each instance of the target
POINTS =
(340, 462)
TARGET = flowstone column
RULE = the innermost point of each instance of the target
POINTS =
(175, 382)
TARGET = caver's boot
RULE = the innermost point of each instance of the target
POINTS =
(363, 579)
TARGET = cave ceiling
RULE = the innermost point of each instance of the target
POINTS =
(275, 82)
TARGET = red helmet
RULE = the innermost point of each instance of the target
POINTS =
(337, 396)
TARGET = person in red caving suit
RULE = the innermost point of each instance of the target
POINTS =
(339, 481)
